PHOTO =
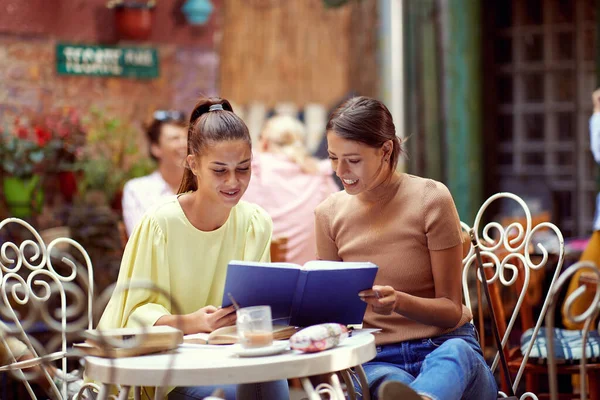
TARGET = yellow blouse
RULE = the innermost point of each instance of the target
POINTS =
(189, 264)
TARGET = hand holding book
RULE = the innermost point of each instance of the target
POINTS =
(210, 318)
(382, 298)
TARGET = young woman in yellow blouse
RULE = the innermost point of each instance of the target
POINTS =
(184, 243)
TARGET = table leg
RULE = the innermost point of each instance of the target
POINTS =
(364, 383)
(337, 387)
(159, 393)
(124, 392)
(103, 392)
(349, 384)
(137, 393)
(333, 389)
(309, 389)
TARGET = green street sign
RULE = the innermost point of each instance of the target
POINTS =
(126, 62)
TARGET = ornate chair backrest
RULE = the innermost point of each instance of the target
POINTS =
(31, 287)
(587, 317)
(516, 260)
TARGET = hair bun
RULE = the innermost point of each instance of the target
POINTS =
(205, 104)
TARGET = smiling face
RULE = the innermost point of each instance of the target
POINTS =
(171, 148)
(360, 167)
(223, 171)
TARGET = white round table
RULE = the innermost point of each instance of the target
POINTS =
(197, 365)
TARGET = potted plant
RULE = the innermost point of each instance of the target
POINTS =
(133, 18)
(34, 148)
(110, 158)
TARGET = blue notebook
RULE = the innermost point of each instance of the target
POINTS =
(318, 292)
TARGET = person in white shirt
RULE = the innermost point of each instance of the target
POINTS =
(167, 137)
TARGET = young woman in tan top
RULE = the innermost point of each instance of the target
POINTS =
(409, 227)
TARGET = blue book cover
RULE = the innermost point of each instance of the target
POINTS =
(318, 292)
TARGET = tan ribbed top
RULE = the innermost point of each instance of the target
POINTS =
(405, 219)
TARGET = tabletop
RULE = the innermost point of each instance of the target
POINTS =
(197, 365)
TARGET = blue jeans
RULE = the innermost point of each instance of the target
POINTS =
(446, 367)
(275, 390)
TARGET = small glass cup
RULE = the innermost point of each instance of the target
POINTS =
(255, 327)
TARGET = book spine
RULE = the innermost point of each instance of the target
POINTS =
(297, 301)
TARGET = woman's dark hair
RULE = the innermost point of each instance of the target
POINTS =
(209, 126)
(367, 121)
(160, 119)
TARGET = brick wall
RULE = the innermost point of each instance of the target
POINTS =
(30, 30)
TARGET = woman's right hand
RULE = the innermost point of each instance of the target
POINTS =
(209, 318)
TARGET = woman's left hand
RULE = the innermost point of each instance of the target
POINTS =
(382, 298)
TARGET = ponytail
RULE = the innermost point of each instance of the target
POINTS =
(188, 183)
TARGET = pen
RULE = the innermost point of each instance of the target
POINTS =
(235, 303)
(375, 294)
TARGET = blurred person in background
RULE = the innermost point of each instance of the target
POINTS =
(592, 250)
(167, 138)
(289, 184)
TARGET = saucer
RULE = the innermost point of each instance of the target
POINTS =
(275, 348)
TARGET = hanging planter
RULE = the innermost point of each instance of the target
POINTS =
(197, 12)
(133, 18)
(23, 196)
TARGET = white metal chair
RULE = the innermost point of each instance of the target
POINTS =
(515, 241)
(31, 282)
(587, 317)
(30, 286)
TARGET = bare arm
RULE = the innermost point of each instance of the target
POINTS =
(444, 311)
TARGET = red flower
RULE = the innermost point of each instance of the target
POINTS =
(42, 136)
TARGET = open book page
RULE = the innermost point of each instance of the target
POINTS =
(267, 264)
(228, 335)
(322, 265)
